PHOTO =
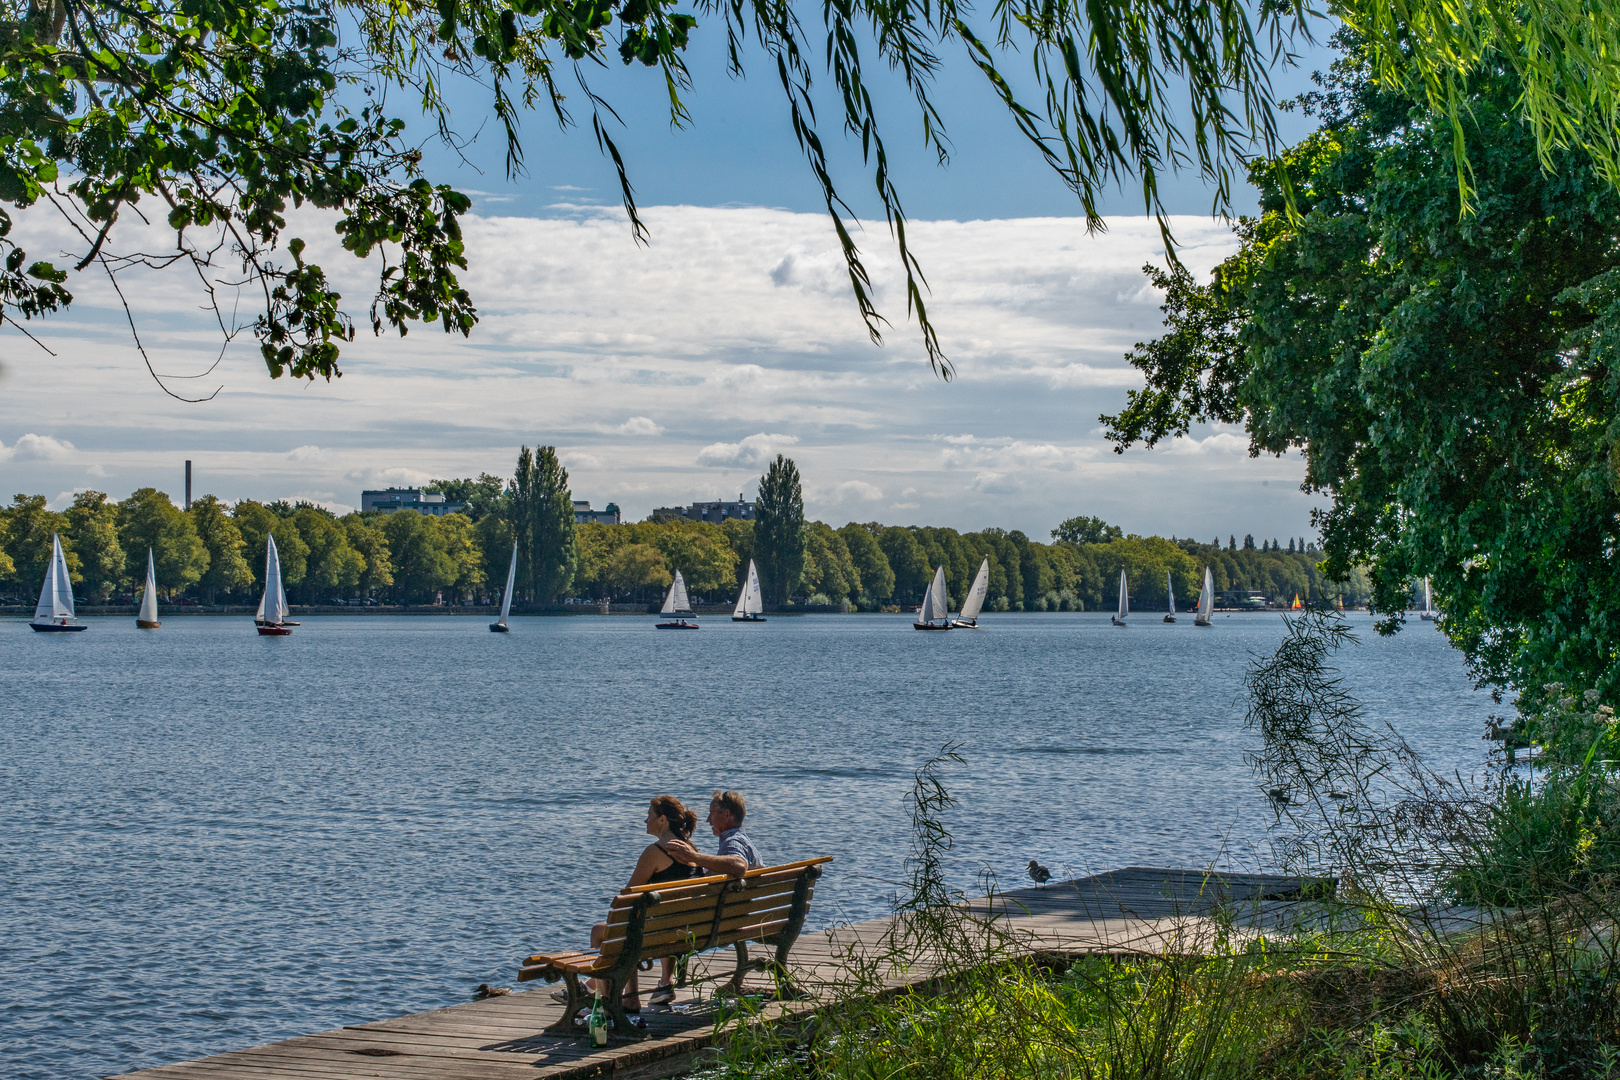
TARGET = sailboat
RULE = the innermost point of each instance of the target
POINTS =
(54, 612)
(147, 619)
(750, 602)
(1428, 614)
(974, 602)
(676, 604)
(272, 617)
(499, 625)
(1124, 601)
(1206, 600)
(935, 611)
(1297, 605)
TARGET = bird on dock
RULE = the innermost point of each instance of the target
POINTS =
(487, 991)
(1040, 874)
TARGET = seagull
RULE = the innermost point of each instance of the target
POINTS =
(1039, 873)
(487, 991)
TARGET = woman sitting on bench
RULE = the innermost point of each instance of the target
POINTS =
(667, 820)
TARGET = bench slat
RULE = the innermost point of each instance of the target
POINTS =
(750, 875)
(674, 943)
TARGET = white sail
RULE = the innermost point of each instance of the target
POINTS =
(750, 601)
(64, 581)
(1170, 589)
(1124, 596)
(1428, 608)
(273, 604)
(149, 597)
(934, 605)
(49, 607)
(973, 603)
(511, 578)
(1206, 599)
(675, 602)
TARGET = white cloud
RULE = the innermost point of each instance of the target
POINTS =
(750, 453)
(664, 369)
(33, 447)
(856, 491)
(1220, 443)
(639, 425)
(98, 471)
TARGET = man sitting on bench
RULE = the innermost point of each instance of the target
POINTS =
(736, 856)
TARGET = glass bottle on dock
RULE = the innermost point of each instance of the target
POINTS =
(598, 1022)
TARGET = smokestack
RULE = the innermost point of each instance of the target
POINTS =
(188, 483)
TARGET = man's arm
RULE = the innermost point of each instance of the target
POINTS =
(681, 851)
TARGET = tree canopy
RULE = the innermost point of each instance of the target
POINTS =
(1450, 377)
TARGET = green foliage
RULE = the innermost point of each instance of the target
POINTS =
(228, 570)
(417, 548)
(1086, 530)
(872, 567)
(29, 528)
(333, 566)
(257, 522)
(1449, 377)
(779, 532)
(541, 512)
(828, 568)
(148, 520)
(366, 537)
(92, 526)
(480, 498)
(739, 534)
(907, 560)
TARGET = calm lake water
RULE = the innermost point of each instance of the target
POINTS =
(210, 840)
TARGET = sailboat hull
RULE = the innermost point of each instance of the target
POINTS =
(1202, 622)
(748, 618)
(682, 625)
(57, 628)
(271, 630)
(930, 626)
(1169, 618)
(1427, 617)
(1116, 620)
(959, 624)
(146, 625)
(498, 628)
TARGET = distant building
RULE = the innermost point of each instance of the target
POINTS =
(423, 502)
(583, 514)
(709, 511)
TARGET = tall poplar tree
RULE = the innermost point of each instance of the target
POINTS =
(541, 513)
(779, 534)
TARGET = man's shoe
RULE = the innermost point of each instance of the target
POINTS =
(664, 995)
(560, 996)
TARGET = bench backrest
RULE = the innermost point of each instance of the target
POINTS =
(708, 912)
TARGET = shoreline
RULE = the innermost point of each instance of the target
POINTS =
(488, 610)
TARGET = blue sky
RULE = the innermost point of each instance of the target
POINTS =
(672, 372)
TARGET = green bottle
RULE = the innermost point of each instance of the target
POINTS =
(598, 1022)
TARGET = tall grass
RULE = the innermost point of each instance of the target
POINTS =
(1472, 931)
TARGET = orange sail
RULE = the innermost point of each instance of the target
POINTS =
(1297, 604)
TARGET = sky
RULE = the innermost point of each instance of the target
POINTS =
(676, 371)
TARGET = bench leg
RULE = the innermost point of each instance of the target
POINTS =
(577, 1000)
(614, 1004)
(735, 985)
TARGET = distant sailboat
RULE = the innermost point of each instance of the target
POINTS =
(750, 602)
(1206, 600)
(499, 625)
(1170, 591)
(272, 617)
(1124, 601)
(935, 612)
(676, 604)
(1429, 614)
(1297, 605)
(54, 612)
(974, 603)
(147, 619)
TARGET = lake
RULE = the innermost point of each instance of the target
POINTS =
(213, 840)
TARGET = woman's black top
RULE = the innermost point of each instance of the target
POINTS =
(675, 871)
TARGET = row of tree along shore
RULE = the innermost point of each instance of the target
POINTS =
(212, 553)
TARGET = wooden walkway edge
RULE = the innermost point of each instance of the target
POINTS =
(1134, 910)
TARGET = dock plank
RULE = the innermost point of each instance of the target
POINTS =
(1135, 909)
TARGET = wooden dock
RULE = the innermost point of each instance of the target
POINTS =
(1137, 909)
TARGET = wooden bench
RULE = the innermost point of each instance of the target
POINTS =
(678, 919)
